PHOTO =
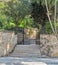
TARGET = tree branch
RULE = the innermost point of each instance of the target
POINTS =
(49, 17)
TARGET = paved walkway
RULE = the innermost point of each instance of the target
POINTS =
(28, 61)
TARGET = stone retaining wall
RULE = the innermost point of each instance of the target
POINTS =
(8, 40)
(49, 45)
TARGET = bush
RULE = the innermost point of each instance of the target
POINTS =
(47, 28)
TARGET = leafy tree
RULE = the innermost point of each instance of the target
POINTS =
(17, 10)
(54, 28)
(39, 13)
(3, 21)
(51, 11)
(27, 22)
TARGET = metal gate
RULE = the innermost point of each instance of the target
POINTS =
(25, 38)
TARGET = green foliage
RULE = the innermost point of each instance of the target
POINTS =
(3, 21)
(13, 13)
(26, 22)
(20, 13)
(50, 2)
(4, 24)
(10, 23)
(47, 28)
(2, 5)
(39, 14)
(17, 9)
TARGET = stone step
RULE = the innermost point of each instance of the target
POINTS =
(28, 61)
(29, 41)
(26, 51)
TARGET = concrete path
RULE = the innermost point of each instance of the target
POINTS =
(28, 61)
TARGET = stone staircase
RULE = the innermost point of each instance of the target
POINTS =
(27, 55)
(28, 61)
(26, 51)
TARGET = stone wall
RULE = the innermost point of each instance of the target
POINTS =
(8, 40)
(49, 45)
